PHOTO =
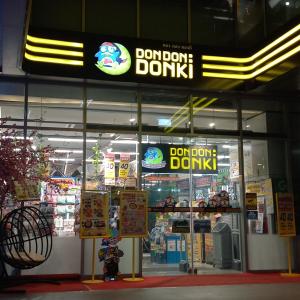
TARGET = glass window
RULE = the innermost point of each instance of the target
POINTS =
(12, 103)
(250, 22)
(60, 196)
(214, 113)
(56, 14)
(114, 107)
(55, 106)
(212, 22)
(164, 20)
(280, 12)
(111, 17)
(165, 113)
(263, 116)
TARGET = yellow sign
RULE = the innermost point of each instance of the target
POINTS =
(93, 215)
(251, 201)
(109, 169)
(27, 191)
(285, 214)
(133, 214)
(124, 166)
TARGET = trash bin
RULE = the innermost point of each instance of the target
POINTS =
(222, 240)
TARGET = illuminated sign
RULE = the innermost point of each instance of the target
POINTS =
(164, 63)
(113, 58)
(162, 158)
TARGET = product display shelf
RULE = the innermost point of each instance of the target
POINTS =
(59, 206)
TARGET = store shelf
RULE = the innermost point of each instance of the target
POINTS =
(195, 209)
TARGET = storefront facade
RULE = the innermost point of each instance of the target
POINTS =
(212, 147)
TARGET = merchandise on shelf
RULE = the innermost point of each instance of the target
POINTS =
(60, 198)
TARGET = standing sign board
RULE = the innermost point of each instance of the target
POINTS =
(93, 215)
(285, 214)
(251, 201)
(133, 214)
(28, 190)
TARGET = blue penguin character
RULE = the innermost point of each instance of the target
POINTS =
(109, 54)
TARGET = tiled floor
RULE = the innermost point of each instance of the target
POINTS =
(240, 292)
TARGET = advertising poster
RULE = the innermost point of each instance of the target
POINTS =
(285, 214)
(93, 215)
(163, 158)
(124, 166)
(251, 201)
(27, 191)
(260, 223)
(109, 173)
(268, 191)
(133, 214)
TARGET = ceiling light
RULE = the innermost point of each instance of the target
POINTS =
(124, 142)
(71, 140)
(223, 157)
(67, 151)
(247, 126)
(112, 135)
(287, 3)
(61, 159)
(132, 120)
(212, 125)
(224, 165)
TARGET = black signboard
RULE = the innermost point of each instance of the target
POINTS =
(202, 226)
(163, 158)
(181, 226)
(111, 58)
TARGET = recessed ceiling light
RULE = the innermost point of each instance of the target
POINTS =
(132, 120)
(212, 124)
(287, 3)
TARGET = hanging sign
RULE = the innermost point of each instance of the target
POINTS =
(162, 158)
(124, 165)
(251, 201)
(133, 214)
(28, 190)
(109, 171)
(285, 214)
(93, 215)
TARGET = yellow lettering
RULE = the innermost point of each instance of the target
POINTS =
(198, 162)
(214, 160)
(175, 163)
(179, 151)
(155, 68)
(185, 163)
(172, 151)
(206, 163)
(141, 67)
(186, 152)
(139, 53)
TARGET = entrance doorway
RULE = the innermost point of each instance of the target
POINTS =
(194, 215)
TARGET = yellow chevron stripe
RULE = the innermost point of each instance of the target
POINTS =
(53, 60)
(53, 42)
(53, 51)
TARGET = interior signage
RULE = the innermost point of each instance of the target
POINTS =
(162, 158)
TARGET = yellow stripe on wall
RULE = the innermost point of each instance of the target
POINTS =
(54, 60)
(53, 42)
(53, 51)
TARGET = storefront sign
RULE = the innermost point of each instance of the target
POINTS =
(162, 158)
(133, 214)
(27, 191)
(109, 169)
(93, 215)
(251, 201)
(285, 214)
(111, 58)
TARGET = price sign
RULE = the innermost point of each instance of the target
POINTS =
(109, 169)
(124, 166)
